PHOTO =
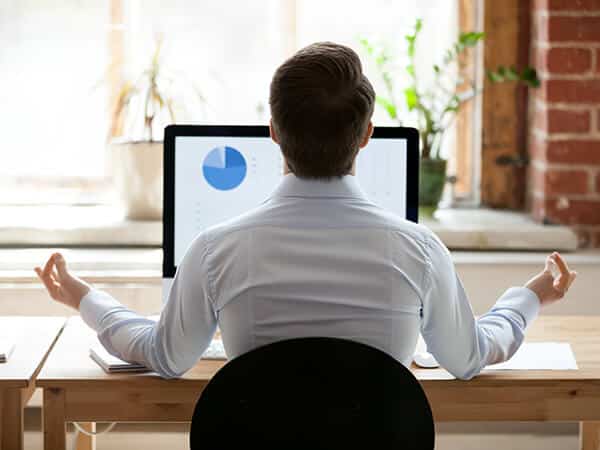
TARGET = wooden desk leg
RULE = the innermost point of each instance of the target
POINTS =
(55, 430)
(11, 416)
(589, 435)
(1, 412)
(85, 442)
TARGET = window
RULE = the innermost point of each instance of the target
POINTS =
(54, 113)
(53, 122)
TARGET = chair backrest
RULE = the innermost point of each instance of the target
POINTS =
(310, 394)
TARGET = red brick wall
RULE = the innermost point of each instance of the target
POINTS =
(564, 140)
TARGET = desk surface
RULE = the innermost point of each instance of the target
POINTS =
(33, 337)
(582, 332)
(69, 363)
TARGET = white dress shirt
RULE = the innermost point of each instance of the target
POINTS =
(316, 259)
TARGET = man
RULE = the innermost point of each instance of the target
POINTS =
(317, 258)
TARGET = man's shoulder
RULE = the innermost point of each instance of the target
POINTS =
(249, 219)
(400, 225)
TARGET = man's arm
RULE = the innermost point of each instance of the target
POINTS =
(463, 344)
(170, 346)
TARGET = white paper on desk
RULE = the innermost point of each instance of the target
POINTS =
(7, 345)
(540, 356)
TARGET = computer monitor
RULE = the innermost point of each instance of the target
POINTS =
(214, 173)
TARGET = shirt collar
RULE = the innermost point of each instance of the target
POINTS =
(344, 187)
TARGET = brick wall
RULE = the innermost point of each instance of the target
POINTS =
(564, 139)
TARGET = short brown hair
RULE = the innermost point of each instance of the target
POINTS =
(321, 105)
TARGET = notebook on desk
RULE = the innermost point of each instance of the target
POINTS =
(112, 364)
(7, 346)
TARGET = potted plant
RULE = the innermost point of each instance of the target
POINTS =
(437, 104)
(142, 108)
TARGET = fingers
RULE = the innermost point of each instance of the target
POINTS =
(560, 262)
(48, 266)
(51, 274)
(51, 285)
(572, 276)
(54, 277)
(565, 277)
(61, 264)
(42, 276)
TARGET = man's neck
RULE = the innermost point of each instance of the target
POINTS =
(286, 168)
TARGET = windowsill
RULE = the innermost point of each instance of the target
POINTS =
(104, 226)
(488, 229)
(85, 226)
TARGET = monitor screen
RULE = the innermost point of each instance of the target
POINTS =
(211, 177)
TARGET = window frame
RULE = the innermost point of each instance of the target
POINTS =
(466, 188)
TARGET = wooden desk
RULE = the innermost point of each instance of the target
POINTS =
(34, 337)
(76, 389)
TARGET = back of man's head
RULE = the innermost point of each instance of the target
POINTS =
(321, 106)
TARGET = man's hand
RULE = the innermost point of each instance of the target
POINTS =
(554, 281)
(61, 285)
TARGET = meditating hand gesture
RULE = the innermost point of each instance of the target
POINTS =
(61, 285)
(554, 281)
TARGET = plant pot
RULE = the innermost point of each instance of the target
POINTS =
(137, 169)
(432, 180)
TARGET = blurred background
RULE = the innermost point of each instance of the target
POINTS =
(63, 64)
(512, 89)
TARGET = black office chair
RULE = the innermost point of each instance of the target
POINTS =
(311, 394)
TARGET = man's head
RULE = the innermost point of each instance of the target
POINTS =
(321, 108)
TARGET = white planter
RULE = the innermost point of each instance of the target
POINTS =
(137, 169)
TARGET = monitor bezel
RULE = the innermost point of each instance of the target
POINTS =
(411, 135)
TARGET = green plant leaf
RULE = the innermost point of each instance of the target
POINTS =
(500, 75)
(378, 54)
(366, 45)
(388, 106)
(512, 74)
(418, 25)
(381, 59)
(529, 76)
(494, 77)
(412, 38)
(412, 98)
(470, 38)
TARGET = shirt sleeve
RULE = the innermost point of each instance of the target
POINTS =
(462, 344)
(184, 330)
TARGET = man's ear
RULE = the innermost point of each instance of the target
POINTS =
(367, 136)
(272, 132)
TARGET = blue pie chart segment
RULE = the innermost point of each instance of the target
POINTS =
(224, 168)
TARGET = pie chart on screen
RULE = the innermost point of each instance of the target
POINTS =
(224, 168)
